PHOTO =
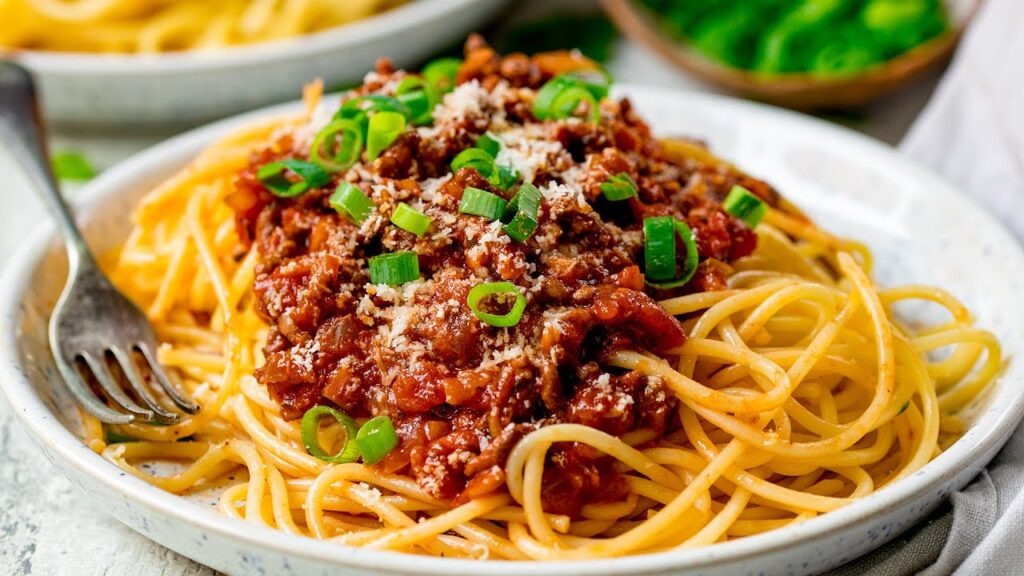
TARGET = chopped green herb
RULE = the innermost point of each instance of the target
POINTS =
(71, 166)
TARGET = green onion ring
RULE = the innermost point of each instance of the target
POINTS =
(691, 262)
(481, 291)
(310, 428)
(376, 439)
(338, 156)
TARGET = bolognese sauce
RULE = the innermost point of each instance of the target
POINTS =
(462, 392)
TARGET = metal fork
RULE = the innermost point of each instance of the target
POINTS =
(93, 327)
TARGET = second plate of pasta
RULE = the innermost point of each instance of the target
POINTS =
(121, 63)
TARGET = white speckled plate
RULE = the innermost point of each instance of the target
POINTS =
(921, 231)
(129, 90)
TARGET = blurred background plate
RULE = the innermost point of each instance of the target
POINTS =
(91, 90)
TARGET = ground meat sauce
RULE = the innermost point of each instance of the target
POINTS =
(460, 392)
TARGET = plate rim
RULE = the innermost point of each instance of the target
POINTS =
(45, 429)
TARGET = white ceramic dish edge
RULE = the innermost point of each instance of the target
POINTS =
(236, 547)
(129, 91)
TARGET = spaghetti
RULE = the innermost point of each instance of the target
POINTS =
(794, 391)
(151, 26)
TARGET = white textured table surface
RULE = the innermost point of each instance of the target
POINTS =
(46, 527)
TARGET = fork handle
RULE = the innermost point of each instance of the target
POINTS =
(21, 128)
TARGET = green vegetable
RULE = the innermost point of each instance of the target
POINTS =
(394, 268)
(660, 247)
(408, 218)
(71, 166)
(419, 96)
(823, 37)
(744, 205)
(384, 128)
(500, 289)
(521, 213)
(483, 162)
(482, 203)
(349, 200)
(562, 95)
(376, 439)
(618, 187)
(489, 143)
(689, 263)
(336, 154)
(306, 175)
(660, 252)
(310, 428)
(442, 73)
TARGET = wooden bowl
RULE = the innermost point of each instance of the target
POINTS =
(797, 90)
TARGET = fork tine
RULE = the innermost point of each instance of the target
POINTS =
(135, 380)
(85, 396)
(171, 390)
(112, 389)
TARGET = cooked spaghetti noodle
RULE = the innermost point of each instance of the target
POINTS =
(795, 391)
(149, 26)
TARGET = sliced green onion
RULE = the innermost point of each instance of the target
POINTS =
(543, 102)
(479, 159)
(489, 143)
(384, 128)
(692, 258)
(376, 439)
(394, 268)
(409, 219)
(442, 73)
(904, 407)
(482, 203)
(419, 96)
(660, 247)
(350, 201)
(568, 101)
(504, 177)
(420, 105)
(274, 177)
(474, 158)
(520, 215)
(71, 166)
(335, 155)
(361, 106)
(310, 427)
(597, 82)
(561, 96)
(619, 187)
(481, 291)
(743, 204)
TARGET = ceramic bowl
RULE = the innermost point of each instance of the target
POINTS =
(132, 91)
(916, 224)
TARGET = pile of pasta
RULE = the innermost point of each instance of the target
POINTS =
(150, 26)
(799, 392)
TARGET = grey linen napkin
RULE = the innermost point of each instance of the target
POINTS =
(972, 133)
